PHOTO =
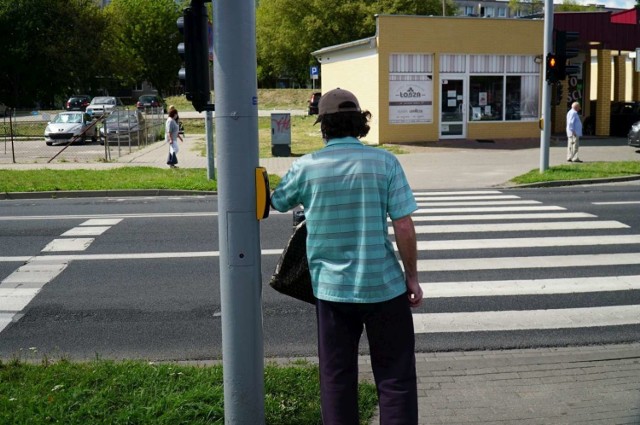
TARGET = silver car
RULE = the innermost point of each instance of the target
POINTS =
(634, 135)
(70, 125)
(123, 126)
(103, 104)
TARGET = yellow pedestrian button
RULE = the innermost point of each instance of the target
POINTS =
(263, 193)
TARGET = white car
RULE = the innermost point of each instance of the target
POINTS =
(103, 104)
(69, 125)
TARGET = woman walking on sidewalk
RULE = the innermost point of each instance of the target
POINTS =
(171, 136)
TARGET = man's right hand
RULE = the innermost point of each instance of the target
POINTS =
(414, 292)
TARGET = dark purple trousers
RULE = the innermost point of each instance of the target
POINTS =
(389, 327)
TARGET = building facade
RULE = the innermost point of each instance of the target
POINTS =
(432, 78)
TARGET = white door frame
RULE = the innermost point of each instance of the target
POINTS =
(462, 103)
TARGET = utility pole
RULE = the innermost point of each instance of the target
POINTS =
(545, 134)
(236, 126)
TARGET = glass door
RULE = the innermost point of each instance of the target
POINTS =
(452, 110)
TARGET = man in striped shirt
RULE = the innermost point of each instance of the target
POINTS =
(348, 191)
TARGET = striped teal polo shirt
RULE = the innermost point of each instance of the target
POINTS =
(348, 190)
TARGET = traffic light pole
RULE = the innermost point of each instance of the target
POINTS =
(236, 125)
(545, 134)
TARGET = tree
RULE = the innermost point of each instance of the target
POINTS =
(526, 7)
(49, 49)
(142, 42)
(289, 30)
(573, 6)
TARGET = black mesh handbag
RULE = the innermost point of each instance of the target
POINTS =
(291, 276)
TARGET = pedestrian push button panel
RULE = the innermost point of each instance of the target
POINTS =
(263, 193)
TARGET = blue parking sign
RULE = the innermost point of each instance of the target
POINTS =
(314, 72)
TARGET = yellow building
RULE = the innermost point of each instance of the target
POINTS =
(434, 78)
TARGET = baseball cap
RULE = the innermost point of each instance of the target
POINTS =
(337, 100)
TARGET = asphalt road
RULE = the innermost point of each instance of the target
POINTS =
(138, 277)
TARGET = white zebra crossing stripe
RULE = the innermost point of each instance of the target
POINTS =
(86, 231)
(526, 319)
(536, 262)
(73, 244)
(523, 227)
(520, 216)
(101, 222)
(527, 242)
(475, 203)
(458, 193)
(465, 198)
(498, 288)
(489, 209)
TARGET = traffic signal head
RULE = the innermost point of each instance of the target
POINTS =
(194, 51)
(551, 67)
(564, 52)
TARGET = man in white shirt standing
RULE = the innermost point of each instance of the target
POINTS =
(574, 132)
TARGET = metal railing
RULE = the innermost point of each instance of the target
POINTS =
(22, 137)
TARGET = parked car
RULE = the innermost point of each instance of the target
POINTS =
(634, 135)
(123, 125)
(623, 115)
(313, 103)
(102, 104)
(78, 103)
(147, 101)
(67, 125)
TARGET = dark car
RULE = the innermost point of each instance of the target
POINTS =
(124, 126)
(147, 101)
(634, 135)
(313, 103)
(623, 115)
(77, 103)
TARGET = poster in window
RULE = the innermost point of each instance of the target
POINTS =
(410, 98)
(482, 98)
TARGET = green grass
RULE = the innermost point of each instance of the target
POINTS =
(267, 99)
(591, 170)
(135, 392)
(112, 179)
(124, 178)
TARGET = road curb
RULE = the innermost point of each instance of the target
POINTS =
(102, 193)
(558, 183)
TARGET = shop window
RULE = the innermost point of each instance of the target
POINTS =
(522, 98)
(485, 98)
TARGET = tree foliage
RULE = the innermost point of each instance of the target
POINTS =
(526, 7)
(289, 30)
(141, 43)
(48, 49)
(574, 6)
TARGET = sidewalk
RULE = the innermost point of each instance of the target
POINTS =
(458, 164)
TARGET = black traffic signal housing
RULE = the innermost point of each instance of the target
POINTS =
(564, 52)
(193, 25)
(551, 68)
(558, 94)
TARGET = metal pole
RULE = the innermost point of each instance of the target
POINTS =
(545, 134)
(236, 126)
(209, 129)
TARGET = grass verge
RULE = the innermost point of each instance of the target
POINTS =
(591, 170)
(124, 178)
(135, 392)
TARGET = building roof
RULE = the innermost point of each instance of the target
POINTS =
(602, 30)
